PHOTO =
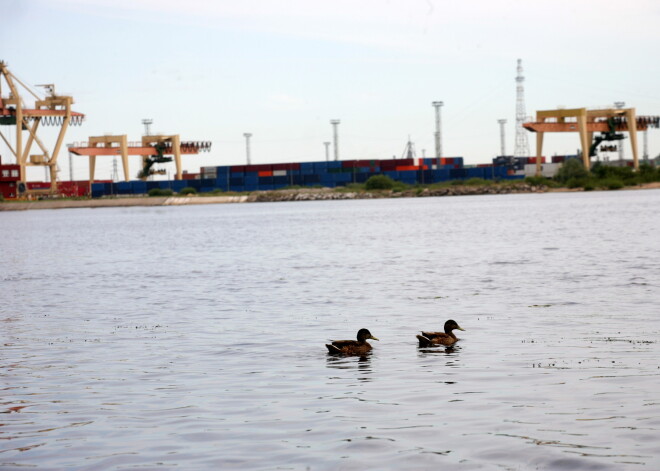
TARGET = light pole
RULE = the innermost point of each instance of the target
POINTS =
(335, 125)
(247, 136)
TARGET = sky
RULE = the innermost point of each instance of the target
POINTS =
(281, 70)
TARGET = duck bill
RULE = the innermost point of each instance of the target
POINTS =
(373, 338)
(461, 328)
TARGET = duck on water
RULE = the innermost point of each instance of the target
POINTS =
(447, 338)
(352, 347)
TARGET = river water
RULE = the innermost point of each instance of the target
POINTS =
(193, 337)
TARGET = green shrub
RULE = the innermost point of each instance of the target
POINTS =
(213, 192)
(355, 186)
(380, 182)
(537, 181)
(189, 190)
(577, 182)
(572, 170)
(477, 182)
(648, 173)
(160, 192)
(612, 183)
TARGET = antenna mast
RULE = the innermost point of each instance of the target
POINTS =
(522, 146)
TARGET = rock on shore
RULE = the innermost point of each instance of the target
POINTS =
(321, 194)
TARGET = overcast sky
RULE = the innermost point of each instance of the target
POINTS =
(213, 70)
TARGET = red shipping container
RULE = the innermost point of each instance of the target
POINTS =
(266, 173)
(406, 168)
(532, 160)
(9, 173)
(73, 188)
(38, 185)
(8, 189)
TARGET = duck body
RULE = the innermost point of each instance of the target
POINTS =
(352, 347)
(447, 338)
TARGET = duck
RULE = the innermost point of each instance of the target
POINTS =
(352, 347)
(447, 337)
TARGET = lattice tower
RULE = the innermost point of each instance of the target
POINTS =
(521, 148)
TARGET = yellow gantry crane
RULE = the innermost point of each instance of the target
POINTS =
(53, 110)
(610, 122)
(153, 149)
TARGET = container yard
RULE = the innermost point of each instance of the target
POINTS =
(266, 177)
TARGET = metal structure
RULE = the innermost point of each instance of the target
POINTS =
(619, 106)
(247, 136)
(609, 122)
(438, 130)
(147, 126)
(335, 136)
(521, 148)
(502, 136)
(53, 110)
(153, 149)
(409, 150)
(327, 151)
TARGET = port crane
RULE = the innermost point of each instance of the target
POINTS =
(609, 122)
(53, 110)
(153, 149)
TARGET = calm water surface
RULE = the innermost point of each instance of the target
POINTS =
(193, 337)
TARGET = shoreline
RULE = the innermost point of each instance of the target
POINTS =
(302, 194)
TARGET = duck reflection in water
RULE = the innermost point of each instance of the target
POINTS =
(449, 351)
(350, 362)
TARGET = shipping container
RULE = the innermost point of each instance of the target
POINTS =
(311, 179)
(178, 185)
(139, 184)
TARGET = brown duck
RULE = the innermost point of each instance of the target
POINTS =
(352, 347)
(447, 337)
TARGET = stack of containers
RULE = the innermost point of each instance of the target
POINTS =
(240, 178)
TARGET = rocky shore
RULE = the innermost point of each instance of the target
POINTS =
(299, 194)
(320, 194)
